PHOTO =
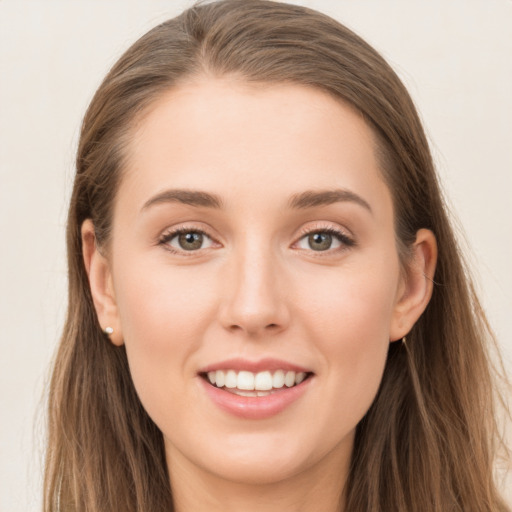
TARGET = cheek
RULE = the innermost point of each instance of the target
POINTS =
(162, 304)
(350, 322)
(162, 314)
(352, 307)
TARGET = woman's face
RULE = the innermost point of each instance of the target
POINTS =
(253, 243)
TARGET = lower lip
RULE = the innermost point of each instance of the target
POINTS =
(255, 407)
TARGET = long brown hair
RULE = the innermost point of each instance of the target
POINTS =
(428, 442)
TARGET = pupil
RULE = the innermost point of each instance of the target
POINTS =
(190, 241)
(320, 241)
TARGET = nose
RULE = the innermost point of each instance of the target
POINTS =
(254, 300)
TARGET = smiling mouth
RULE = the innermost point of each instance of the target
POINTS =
(245, 383)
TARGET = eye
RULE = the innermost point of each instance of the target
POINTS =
(324, 240)
(186, 240)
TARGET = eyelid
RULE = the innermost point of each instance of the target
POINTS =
(346, 239)
(168, 234)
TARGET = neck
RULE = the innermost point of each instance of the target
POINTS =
(320, 487)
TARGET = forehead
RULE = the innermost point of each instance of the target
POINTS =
(250, 142)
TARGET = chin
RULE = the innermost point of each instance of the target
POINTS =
(260, 470)
(267, 458)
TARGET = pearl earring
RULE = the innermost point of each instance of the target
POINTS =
(108, 331)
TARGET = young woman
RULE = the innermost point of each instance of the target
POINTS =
(268, 309)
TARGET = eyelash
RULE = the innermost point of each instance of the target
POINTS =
(346, 241)
(168, 236)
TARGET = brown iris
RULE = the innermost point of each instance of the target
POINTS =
(190, 241)
(320, 241)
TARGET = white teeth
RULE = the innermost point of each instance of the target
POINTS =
(260, 382)
(289, 379)
(245, 380)
(245, 393)
(230, 381)
(299, 377)
(263, 381)
(278, 379)
(219, 378)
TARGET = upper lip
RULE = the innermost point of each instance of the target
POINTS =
(240, 364)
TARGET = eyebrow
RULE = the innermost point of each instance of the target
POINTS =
(313, 198)
(190, 197)
(301, 201)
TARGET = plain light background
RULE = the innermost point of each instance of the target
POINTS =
(455, 57)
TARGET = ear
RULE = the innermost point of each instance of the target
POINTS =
(100, 280)
(416, 286)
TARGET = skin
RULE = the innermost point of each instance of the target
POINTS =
(256, 288)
